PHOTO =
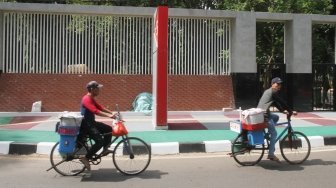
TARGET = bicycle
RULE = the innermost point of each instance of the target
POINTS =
(131, 155)
(294, 146)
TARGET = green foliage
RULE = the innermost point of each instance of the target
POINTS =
(281, 6)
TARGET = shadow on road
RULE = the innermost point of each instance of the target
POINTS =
(284, 166)
(112, 175)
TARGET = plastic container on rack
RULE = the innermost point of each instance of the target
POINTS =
(255, 137)
(253, 116)
(68, 129)
(71, 118)
(68, 137)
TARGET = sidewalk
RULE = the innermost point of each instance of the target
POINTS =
(189, 131)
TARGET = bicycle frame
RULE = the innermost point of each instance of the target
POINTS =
(288, 129)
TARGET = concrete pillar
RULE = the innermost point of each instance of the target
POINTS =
(298, 59)
(244, 43)
(243, 59)
(298, 44)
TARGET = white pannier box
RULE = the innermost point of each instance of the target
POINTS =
(253, 116)
(71, 119)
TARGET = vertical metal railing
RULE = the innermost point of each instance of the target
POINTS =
(323, 87)
(199, 46)
(55, 43)
(81, 44)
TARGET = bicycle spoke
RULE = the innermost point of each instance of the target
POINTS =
(295, 148)
(131, 161)
(66, 164)
(245, 154)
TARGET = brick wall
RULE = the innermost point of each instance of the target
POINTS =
(64, 92)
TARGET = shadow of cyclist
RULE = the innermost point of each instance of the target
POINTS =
(112, 175)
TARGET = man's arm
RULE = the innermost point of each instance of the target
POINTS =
(96, 108)
(281, 104)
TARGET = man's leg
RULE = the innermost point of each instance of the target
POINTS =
(272, 121)
(103, 128)
(95, 135)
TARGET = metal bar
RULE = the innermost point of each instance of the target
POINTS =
(170, 46)
(4, 43)
(16, 44)
(85, 45)
(53, 68)
(107, 45)
(42, 62)
(118, 47)
(91, 44)
(133, 42)
(140, 45)
(115, 55)
(184, 47)
(94, 47)
(20, 42)
(34, 44)
(228, 60)
(193, 46)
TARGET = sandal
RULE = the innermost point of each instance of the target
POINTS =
(274, 158)
(86, 163)
(106, 152)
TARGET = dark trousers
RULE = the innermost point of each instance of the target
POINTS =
(95, 131)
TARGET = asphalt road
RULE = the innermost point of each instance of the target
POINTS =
(187, 170)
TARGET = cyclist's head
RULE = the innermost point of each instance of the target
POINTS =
(93, 85)
(276, 83)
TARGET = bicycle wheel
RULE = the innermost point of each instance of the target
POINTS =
(295, 148)
(67, 164)
(131, 160)
(245, 154)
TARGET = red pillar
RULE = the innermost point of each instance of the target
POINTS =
(160, 68)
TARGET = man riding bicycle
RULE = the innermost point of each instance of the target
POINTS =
(89, 108)
(271, 97)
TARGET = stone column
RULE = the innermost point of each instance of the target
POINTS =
(298, 59)
(243, 62)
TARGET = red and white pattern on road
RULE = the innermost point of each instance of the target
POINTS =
(316, 119)
(184, 122)
(24, 122)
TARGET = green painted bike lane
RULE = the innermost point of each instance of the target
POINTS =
(181, 136)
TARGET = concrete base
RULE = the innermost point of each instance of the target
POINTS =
(161, 127)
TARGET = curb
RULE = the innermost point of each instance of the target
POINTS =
(19, 148)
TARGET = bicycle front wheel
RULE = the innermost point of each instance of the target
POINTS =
(131, 156)
(245, 154)
(295, 147)
(67, 164)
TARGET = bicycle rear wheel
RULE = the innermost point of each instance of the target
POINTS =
(68, 164)
(245, 154)
(131, 156)
(295, 147)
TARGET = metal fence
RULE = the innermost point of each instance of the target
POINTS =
(324, 81)
(199, 46)
(87, 44)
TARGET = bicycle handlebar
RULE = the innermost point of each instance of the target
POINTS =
(289, 115)
(118, 116)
